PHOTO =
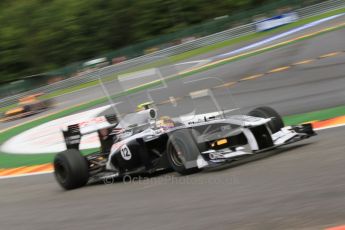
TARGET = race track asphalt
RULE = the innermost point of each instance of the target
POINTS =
(297, 187)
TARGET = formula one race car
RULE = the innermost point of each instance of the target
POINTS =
(141, 143)
(28, 105)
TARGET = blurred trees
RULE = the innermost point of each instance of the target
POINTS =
(40, 35)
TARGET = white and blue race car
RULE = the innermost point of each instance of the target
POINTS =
(142, 143)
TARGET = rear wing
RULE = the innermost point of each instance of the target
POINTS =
(72, 134)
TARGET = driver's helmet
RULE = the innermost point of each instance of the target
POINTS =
(165, 122)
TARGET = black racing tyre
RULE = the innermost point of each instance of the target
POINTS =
(182, 147)
(71, 169)
(267, 112)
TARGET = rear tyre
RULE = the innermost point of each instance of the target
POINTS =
(182, 147)
(275, 124)
(71, 169)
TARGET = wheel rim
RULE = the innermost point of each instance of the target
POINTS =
(60, 171)
(175, 155)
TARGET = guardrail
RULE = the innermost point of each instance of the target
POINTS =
(178, 49)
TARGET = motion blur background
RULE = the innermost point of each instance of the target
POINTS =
(44, 41)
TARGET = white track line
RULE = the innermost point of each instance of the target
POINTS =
(26, 174)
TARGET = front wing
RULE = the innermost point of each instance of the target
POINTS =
(286, 135)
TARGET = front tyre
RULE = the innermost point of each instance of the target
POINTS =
(182, 148)
(71, 169)
(276, 124)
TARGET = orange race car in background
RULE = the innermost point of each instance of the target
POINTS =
(28, 105)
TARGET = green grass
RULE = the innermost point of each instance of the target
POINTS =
(19, 160)
(316, 115)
